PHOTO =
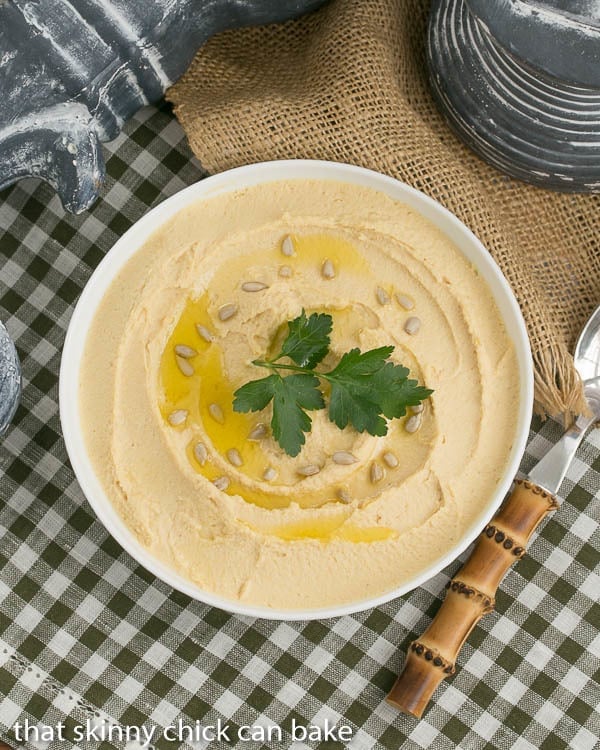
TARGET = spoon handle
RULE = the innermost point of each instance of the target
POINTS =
(470, 595)
(550, 471)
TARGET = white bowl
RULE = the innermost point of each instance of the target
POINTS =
(229, 181)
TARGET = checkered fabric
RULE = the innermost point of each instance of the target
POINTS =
(87, 634)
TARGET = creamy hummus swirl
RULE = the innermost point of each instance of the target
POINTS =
(238, 516)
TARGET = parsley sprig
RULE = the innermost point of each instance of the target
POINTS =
(365, 388)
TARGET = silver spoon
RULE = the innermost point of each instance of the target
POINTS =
(550, 471)
(10, 379)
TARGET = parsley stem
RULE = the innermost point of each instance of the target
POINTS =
(272, 366)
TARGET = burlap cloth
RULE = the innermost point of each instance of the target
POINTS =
(349, 83)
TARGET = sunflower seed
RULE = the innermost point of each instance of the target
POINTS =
(405, 301)
(413, 423)
(344, 495)
(185, 367)
(382, 296)
(344, 458)
(269, 474)
(309, 470)
(177, 417)
(376, 473)
(185, 351)
(204, 333)
(287, 246)
(418, 408)
(327, 269)
(227, 311)
(254, 286)
(200, 453)
(216, 413)
(234, 457)
(390, 459)
(258, 432)
(221, 483)
(412, 326)
(285, 272)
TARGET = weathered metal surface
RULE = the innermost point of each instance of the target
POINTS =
(72, 71)
(10, 379)
(560, 37)
(519, 80)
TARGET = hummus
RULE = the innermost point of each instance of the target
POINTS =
(207, 490)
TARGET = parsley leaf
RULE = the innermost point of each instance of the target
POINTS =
(396, 391)
(366, 388)
(307, 341)
(353, 398)
(255, 395)
(291, 396)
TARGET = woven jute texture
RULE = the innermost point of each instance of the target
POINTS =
(349, 83)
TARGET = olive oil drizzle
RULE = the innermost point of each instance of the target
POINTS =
(208, 385)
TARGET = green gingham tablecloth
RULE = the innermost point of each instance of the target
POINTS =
(86, 633)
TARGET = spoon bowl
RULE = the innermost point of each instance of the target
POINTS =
(592, 394)
(587, 361)
(551, 470)
(587, 349)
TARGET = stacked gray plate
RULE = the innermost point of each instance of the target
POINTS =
(519, 81)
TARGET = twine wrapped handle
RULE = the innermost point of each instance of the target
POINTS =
(470, 595)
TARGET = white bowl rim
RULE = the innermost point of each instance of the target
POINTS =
(234, 179)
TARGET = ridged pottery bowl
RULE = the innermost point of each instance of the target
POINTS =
(519, 81)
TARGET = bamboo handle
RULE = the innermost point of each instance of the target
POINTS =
(470, 595)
